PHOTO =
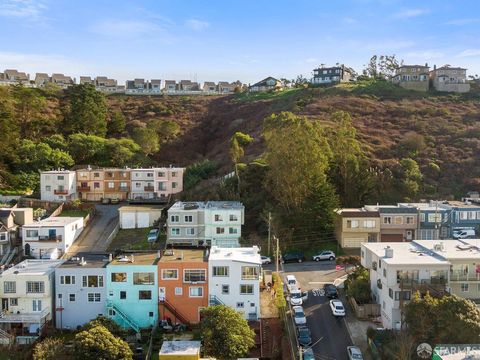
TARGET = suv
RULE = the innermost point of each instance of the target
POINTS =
(293, 257)
(324, 255)
(304, 336)
(330, 291)
(464, 234)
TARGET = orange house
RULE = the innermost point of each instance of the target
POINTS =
(182, 285)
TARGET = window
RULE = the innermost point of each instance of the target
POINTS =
(369, 224)
(13, 302)
(174, 218)
(190, 231)
(390, 293)
(406, 295)
(96, 174)
(35, 287)
(410, 220)
(225, 289)
(387, 220)
(137, 184)
(143, 278)
(94, 297)
(162, 186)
(220, 271)
(240, 304)
(188, 218)
(3, 236)
(398, 220)
(60, 177)
(220, 230)
(194, 275)
(435, 218)
(384, 272)
(246, 289)
(178, 291)
(32, 233)
(169, 274)
(174, 174)
(123, 295)
(195, 291)
(149, 174)
(161, 174)
(119, 277)
(232, 231)
(92, 281)
(111, 184)
(352, 224)
(249, 272)
(233, 217)
(96, 185)
(48, 188)
(463, 215)
(175, 231)
(145, 295)
(60, 296)
(218, 217)
(67, 280)
(471, 215)
(422, 217)
(9, 287)
(71, 297)
(464, 287)
(174, 185)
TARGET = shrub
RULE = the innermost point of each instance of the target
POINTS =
(48, 349)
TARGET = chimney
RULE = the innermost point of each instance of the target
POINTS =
(426, 64)
(388, 252)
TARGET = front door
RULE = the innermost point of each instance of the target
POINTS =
(161, 294)
(52, 233)
(36, 305)
(4, 304)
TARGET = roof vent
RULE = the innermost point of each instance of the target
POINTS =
(388, 252)
(83, 262)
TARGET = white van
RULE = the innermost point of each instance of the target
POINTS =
(464, 234)
(292, 283)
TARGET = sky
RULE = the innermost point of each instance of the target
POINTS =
(228, 40)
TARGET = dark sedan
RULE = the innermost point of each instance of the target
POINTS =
(304, 336)
(330, 291)
(293, 257)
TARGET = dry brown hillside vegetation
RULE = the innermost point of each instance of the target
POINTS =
(441, 132)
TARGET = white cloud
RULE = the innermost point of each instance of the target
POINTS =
(197, 25)
(28, 10)
(469, 52)
(410, 13)
(462, 21)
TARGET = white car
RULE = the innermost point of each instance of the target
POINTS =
(324, 255)
(299, 315)
(266, 260)
(292, 283)
(337, 308)
(464, 234)
(296, 297)
(354, 353)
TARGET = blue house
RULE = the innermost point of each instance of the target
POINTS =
(132, 285)
(462, 216)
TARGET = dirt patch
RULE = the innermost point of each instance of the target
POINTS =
(267, 305)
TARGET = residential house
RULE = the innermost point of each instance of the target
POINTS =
(332, 75)
(156, 183)
(91, 184)
(27, 293)
(187, 85)
(11, 220)
(431, 218)
(86, 80)
(460, 215)
(58, 185)
(183, 285)
(154, 86)
(139, 216)
(16, 76)
(101, 81)
(170, 86)
(412, 77)
(355, 226)
(50, 238)
(62, 80)
(132, 285)
(136, 86)
(397, 223)
(267, 84)
(41, 79)
(116, 183)
(212, 223)
(450, 79)
(143, 184)
(397, 270)
(226, 88)
(209, 86)
(81, 290)
(233, 279)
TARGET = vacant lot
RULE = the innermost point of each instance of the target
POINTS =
(135, 239)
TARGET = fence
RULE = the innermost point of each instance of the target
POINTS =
(364, 311)
(50, 206)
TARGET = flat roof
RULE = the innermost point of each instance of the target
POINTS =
(140, 207)
(57, 172)
(391, 209)
(462, 204)
(453, 249)
(245, 254)
(180, 348)
(357, 212)
(33, 267)
(136, 259)
(183, 255)
(405, 253)
(86, 260)
(194, 205)
(54, 221)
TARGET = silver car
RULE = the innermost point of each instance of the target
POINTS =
(324, 255)
(354, 353)
(299, 315)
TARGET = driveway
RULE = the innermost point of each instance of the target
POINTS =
(94, 237)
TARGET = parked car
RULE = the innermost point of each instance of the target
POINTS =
(299, 315)
(115, 201)
(297, 297)
(354, 353)
(293, 257)
(308, 354)
(266, 260)
(304, 336)
(292, 283)
(152, 235)
(324, 255)
(330, 291)
(337, 308)
(105, 201)
(464, 234)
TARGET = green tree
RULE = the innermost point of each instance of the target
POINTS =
(358, 284)
(107, 323)
(167, 130)
(411, 178)
(238, 142)
(56, 141)
(87, 111)
(40, 156)
(29, 110)
(147, 138)
(97, 343)
(86, 148)
(119, 152)
(50, 348)
(116, 124)
(226, 334)
(8, 127)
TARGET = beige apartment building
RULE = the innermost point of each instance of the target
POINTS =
(355, 226)
(450, 79)
(412, 77)
(397, 223)
(90, 184)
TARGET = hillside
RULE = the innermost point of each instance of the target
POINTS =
(434, 128)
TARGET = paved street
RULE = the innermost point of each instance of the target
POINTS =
(95, 235)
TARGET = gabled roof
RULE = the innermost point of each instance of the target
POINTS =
(264, 81)
(209, 83)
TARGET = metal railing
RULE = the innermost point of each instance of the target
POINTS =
(33, 317)
(214, 300)
(124, 316)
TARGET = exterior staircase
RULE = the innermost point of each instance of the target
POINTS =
(6, 338)
(214, 300)
(8, 257)
(129, 321)
(173, 310)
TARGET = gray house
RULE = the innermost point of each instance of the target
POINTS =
(80, 290)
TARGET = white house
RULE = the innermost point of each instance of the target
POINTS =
(215, 223)
(233, 279)
(27, 292)
(138, 216)
(51, 238)
(397, 270)
(80, 284)
(58, 185)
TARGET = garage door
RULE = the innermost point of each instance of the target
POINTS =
(143, 220)
(392, 237)
(128, 220)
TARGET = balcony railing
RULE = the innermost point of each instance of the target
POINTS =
(461, 276)
(149, 188)
(31, 317)
(49, 238)
(60, 192)
(83, 188)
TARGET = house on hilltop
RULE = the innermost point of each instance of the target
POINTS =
(412, 77)
(332, 75)
(449, 79)
(267, 84)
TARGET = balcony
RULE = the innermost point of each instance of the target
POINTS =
(83, 188)
(461, 276)
(149, 188)
(123, 188)
(33, 317)
(49, 238)
(60, 192)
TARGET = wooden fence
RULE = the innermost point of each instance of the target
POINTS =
(364, 311)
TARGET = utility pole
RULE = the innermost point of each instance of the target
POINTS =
(277, 260)
(269, 222)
